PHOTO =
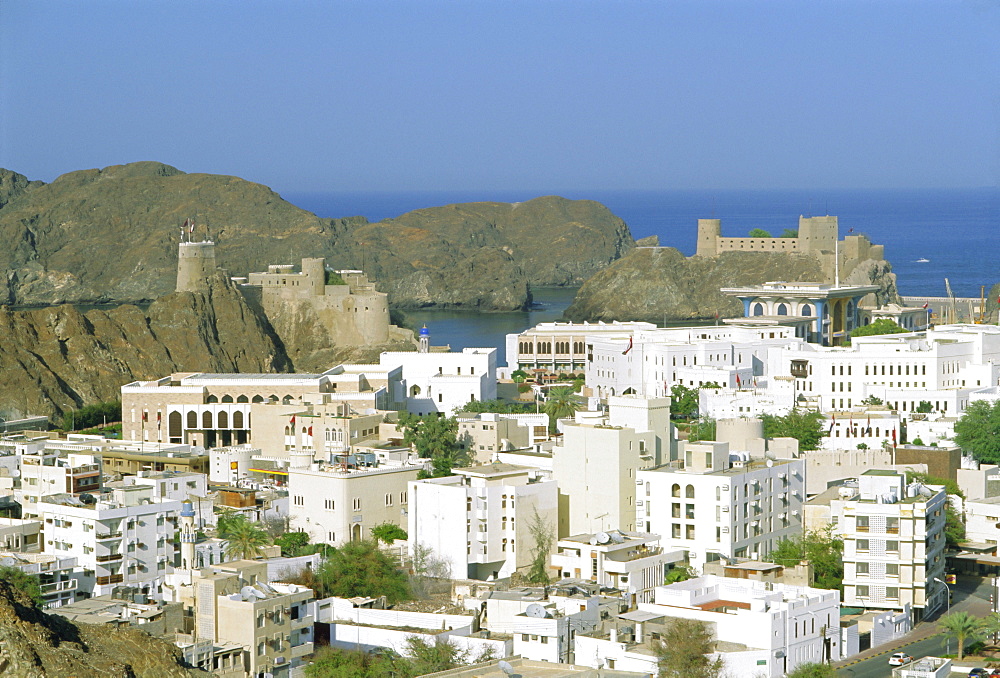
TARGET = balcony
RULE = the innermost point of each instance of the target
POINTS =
(109, 535)
(109, 558)
(302, 650)
(113, 579)
(58, 587)
(302, 622)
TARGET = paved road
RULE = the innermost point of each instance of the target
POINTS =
(972, 595)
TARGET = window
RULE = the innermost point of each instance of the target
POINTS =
(300, 500)
(862, 568)
(675, 531)
(862, 591)
(862, 544)
(892, 592)
(357, 503)
(892, 546)
(892, 569)
(328, 504)
(388, 500)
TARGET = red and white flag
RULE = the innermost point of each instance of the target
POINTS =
(625, 352)
(925, 307)
(737, 381)
(190, 225)
(293, 420)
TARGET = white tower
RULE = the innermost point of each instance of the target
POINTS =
(188, 535)
(425, 340)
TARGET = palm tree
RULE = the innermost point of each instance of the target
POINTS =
(561, 402)
(962, 627)
(246, 540)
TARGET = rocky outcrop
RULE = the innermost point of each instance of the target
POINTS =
(37, 645)
(656, 284)
(57, 358)
(481, 256)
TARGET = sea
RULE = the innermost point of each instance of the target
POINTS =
(929, 235)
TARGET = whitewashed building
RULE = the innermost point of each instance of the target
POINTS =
(713, 505)
(479, 520)
(442, 382)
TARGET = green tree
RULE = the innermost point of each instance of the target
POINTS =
(812, 670)
(924, 406)
(963, 627)
(427, 657)
(880, 326)
(498, 406)
(978, 431)
(434, 438)
(330, 662)
(519, 376)
(95, 414)
(760, 233)
(246, 540)
(683, 651)
(679, 573)
(683, 401)
(333, 278)
(560, 402)
(805, 426)
(28, 584)
(541, 537)
(821, 549)
(360, 568)
(872, 401)
(790, 233)
(292, 543)
(703, 429)
(387, 533)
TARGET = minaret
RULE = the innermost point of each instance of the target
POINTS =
(188, 535)
(425, 340)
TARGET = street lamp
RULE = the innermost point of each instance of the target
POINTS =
(947, 591)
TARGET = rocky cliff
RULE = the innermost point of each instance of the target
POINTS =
(654, 284)
(56, 358)
(477, 256)
(37, 645)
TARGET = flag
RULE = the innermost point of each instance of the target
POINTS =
(925, 307)
(145, 416)
(850, 230)
(738, 381)
(293, 420)
(159, 418)
(833, 420)
(868, 431)
(893, 437)
(310, 430)
(190, 225)
(625, 352)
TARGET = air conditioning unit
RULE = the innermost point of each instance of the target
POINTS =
(725, 530)
(725, 509)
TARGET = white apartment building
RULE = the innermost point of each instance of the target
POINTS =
(479, 520)
(442, 382)
(173, 485)
(982, 517)
(943, 367)
(337, 503)
(728, 355)
(760, 396)
(632, 562)
(230, 465)
(20, 535)
(562, 347)
(48, 472)
(124, 537)
(713, 504)
(772, 627)
(893, 542)
(596, 462)
(56, 576)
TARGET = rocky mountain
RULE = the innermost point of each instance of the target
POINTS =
(479, 256)
(57, 358)
(656, 284)
(34, 644)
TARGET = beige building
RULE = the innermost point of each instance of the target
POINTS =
(336, 503)
(320, 430)
(212, 410)
(562, 347)
(486, 434)
(235, 604)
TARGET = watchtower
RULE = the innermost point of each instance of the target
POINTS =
(195, 265)
(709, 232)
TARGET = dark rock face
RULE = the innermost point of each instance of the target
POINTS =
(34, 644)
(57, 358)
(479, 256)
(657, 284)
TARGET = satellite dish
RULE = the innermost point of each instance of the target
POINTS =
(536, 611)
(603, 538)
(617, 537)
(8, 561)
(87, 498)
(593, 541)
(506, 668)
(248, 593)
(770, 463)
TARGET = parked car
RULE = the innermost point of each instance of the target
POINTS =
(899, 658)
(979, 673)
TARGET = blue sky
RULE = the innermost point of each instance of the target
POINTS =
(383, 96)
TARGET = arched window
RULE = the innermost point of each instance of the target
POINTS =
(258, 399)
(273, 398)
(689, 492)
(206, 420)
(227, 398)
(288, 431)
(223, 420)
(782, 309)
(244, 399)
(758, 309)
(237, 419)
(174, 424)
(675, 490)
(414, 391)
(806, 310)
(287, 400)
(211, 399)
(192, 419)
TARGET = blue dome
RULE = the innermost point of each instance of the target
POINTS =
(424, 332)
(187, 508)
